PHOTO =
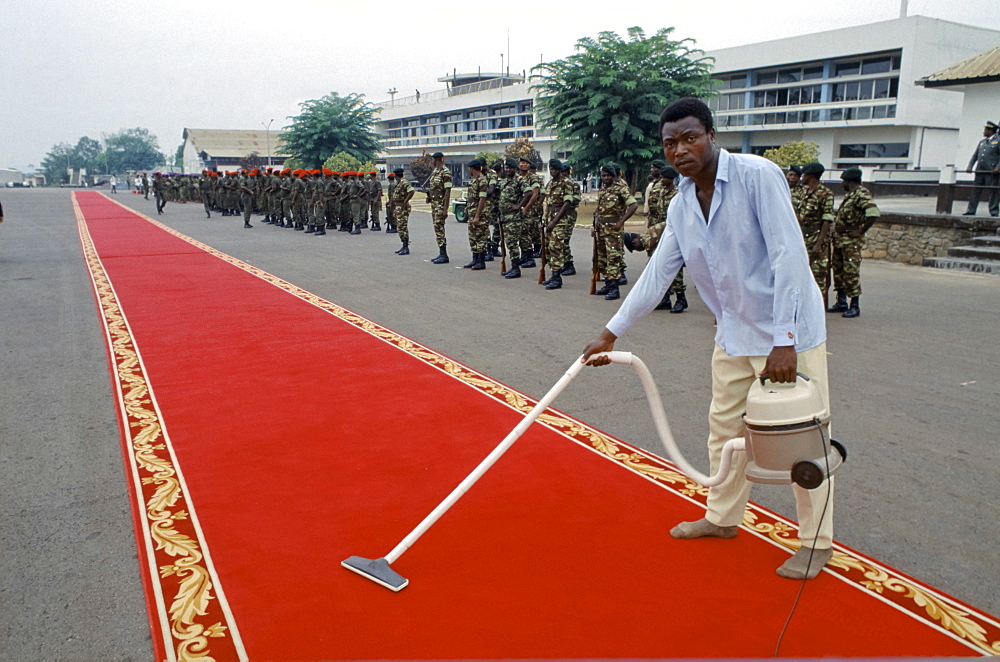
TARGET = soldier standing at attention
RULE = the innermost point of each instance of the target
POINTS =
(401, 194)
(615, 204)
(439, 196)
(987, 156)
(512, 196)
(493, 175)
(856, 214)
(794, 177)
(246, 184)
(374, 199)
(364, 200)
(479, 226)
(664, 190)
(390, 221)
(815, 217)
(205, 186)
(145, 186)
(159, 192)
(560, 218)
(531, 213)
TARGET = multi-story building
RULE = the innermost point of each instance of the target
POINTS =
(218, 149)
(852, 91)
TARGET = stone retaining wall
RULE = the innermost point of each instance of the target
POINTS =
(909, 238)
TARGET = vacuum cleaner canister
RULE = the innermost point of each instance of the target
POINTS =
(788, 434)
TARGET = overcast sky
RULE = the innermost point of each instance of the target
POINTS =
(72, 68)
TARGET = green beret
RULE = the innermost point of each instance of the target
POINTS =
(437, 155)
(795, 168)
(565, 166)
(510, 163)
(476, 163)
(851, 175)
(555, 163)
(524, 158)
(668, 172)
(814, 169)
(658, 164)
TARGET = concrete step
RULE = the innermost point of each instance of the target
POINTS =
(975, 252)
(988, 240)
(965, 264)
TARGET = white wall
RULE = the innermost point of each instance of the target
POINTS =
(981, 104)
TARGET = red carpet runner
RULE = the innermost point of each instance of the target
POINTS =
(258, 462)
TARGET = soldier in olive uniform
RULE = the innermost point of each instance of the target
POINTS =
(478, 212)
(512, 196)
(159, 191)
(663, 191)
(794, 178)
(615, 204)
(205, 186)
(560, 217)
(402, 192)
(247, 188)
(815, 217)
(374, 199)
(531, 213)
(439, 196)
(986, 164)
(493, 175)
(856, 214)
(390, 221)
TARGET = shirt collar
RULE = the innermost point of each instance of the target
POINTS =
(721, 172)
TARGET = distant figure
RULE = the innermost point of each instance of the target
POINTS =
(137, 182)
(114, 184)
(418, 95)
(986, 158)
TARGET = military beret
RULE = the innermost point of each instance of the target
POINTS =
(523, 158)
(991, 125)
(510, 163)
(851, 175)
(658, 163)
(555, 163)
(497, 165)
(565, 166)
(795, 168)
(391, 175)
(668, 172)
(475, 163)
(814, 169)
(437, 155)
(609, 168)
(373, 172)
(398, 171)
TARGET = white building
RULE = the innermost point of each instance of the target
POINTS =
(218, 149)
(852, 91)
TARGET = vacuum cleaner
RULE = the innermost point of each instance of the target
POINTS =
(787, 442)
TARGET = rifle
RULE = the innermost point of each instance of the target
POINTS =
(503, 248)
(596, 275)
(544, 252)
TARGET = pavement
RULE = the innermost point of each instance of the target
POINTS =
(915, 387)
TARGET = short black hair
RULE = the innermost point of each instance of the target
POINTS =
(688, 107)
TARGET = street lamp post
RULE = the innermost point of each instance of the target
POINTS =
(267, 129)
(392, 96)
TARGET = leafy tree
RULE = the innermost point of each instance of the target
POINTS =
(131, 149)
(179, 158)
(293, 163)
(422, 167)
(343, 161)
(523, 147)
(604, 101)
(489, 157)
(331, 125)
(793, 152)
(251, 161)
(57, 161)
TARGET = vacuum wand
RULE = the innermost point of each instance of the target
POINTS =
(379, 570)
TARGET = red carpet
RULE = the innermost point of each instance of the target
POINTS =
(257, 465)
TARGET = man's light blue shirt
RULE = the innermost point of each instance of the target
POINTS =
(748, 262)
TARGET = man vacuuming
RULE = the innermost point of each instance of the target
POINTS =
(732, 224)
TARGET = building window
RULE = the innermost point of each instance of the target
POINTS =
(875, 151)
(810, 73)
(847, 68)
(876, 65)
(504, 110)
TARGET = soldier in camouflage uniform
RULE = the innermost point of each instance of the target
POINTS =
(531, 213)
(560, 217)
(247, 185)
(615, 204)
(815, 217)
(856, 214)
(512, 197)
(478, 212)
(159, 188)
(205, 186)
(493, 175)
(663, 191)
(439, 195)
(794, 177)
(374, 199)
(298, 199)
(361, 217)
(390, 221)
(402, 192)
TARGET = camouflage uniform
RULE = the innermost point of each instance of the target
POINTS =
(246, 199)
(852, 216)
(299, 193)
(364, 200)
(798, 194)
(817, 208)
(205, 186)
(493, 201)
(374, 200)
(532, 216)
(479, 233)
(440, 182)
(401, 209)
(390, 187)
(557, 193)
(511, 192)
(612, 202)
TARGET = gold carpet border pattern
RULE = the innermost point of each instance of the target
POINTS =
(198, 626)
(976, 630)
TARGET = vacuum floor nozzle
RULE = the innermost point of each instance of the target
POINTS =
(378, 571)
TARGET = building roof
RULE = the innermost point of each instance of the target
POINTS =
(982, 67)
(235, 142)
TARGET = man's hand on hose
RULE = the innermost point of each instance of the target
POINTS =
(781, 364)
(603, 343)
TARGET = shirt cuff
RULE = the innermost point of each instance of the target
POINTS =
(784, 335)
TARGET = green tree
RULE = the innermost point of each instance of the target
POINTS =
(793, 152)
(252, 160)
(331, 125)
(179, 158)
(342, 161)
(604, 101)
(56, 162)
(293, 163)
(523, 147)
(422, 166)
(489, 157)
(131, 149)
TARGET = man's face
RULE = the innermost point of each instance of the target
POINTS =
(688, 146)
(793, 178)
(509, 171)
(523, 166)
(810, 181)
(988, 131)
(554, 172)
(607, 178)
(654, 172)
(668, 183)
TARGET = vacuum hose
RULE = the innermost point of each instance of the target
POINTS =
(663, 428)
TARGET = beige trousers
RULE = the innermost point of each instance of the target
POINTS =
(731, 379)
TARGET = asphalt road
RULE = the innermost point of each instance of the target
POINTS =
(915, 388)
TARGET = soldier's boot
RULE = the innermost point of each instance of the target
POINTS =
(356, 229)
(536, 250)
(604, 290)
(527, 262)
(487, 256)
(681, 305)
(390, 227)
(246, 224)
(496, 252)
(298, 227)
(344, 227)
(613, 292)
(442, 257)
(665, 303)
(376, 226)
(405, 250)
(554, 283)
(840, 306)
(475, 260)
(568, 270)
(208, 214)
(854, 310)
(624, 279)
(480, 262)
(515, 270)
(312, 228)
(320, 230)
